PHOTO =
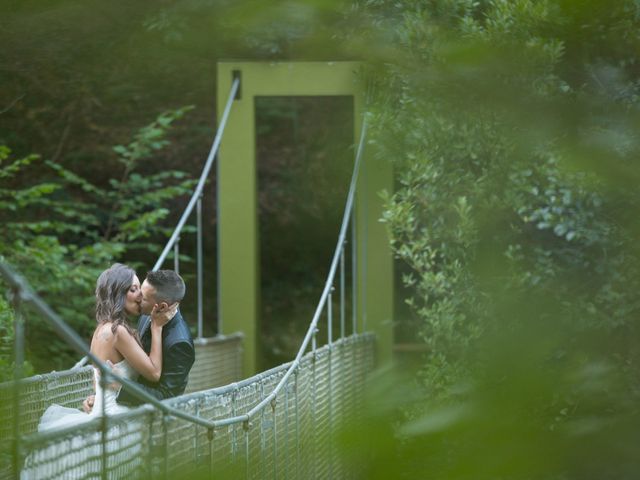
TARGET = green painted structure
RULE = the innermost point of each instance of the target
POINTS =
(238, 243)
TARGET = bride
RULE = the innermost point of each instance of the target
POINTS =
(114, 342)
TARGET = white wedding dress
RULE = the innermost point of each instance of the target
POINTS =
(77, 455)
(57, 416)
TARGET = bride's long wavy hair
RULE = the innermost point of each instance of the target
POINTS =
(111, 294)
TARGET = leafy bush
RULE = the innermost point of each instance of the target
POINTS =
(61, 231)
(511, 126)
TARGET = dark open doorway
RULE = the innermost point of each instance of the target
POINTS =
(304, 161)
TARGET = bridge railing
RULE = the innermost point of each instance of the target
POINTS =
(296, 437)
(218, 362)
(241, 415)
(22, 293)
(67, 388)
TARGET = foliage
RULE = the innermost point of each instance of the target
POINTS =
(74, 83)
(512, 128)
(62, 230)
(511, 125)
(7, 361)
(257, 29)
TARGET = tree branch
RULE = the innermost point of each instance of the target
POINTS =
(12, 104)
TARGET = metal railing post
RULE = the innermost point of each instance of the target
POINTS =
(330, 317)
(354, 273)
(199, 262)
(330, 408)
(218, 271)
(313, 343)
(286, 431)
(195, 434)
(263, 440)
(342, 329)
(363, 282)
(234, 432)
(176, 256)
(149, 467)
(103, 424)
(314, 430)
(297, 405)
(245, 428)
(275, 438)
(211, 436)
(165, 447)
(18, 339)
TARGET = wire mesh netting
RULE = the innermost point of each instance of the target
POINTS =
(218, 362)
(293, 437)
(81, 451)
(68, 388)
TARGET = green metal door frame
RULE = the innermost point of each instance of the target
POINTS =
(238, 243)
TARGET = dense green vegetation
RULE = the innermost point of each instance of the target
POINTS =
(79, 80)
(61, 230)
(512, 127)
(79, 77)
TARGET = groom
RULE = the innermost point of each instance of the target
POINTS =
(162, 289)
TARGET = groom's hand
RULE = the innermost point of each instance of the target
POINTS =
(161, 314)
(87, 405)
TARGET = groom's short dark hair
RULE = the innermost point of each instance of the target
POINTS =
(168, 284)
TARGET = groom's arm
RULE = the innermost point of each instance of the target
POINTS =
(175, 369)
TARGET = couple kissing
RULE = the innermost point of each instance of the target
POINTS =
(158, 355)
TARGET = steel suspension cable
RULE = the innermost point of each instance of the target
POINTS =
(323, 298)
(203, 176)
(174, 240)
(28, 296)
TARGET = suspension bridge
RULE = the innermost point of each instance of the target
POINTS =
(281, 423)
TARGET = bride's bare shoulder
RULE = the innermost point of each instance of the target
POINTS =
(103, 332)
(103, 341)
(123, 333)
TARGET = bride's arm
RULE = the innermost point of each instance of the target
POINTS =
(149, 366)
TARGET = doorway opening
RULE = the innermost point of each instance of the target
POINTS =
(304, 155)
